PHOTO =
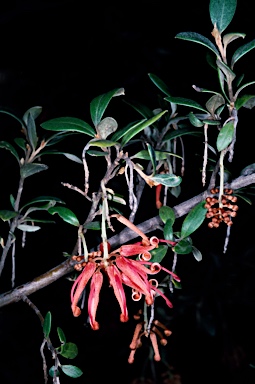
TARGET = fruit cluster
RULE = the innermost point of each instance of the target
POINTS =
(221, 211)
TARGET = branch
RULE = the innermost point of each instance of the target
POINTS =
(147, 226)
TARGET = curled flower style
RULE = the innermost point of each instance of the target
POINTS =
(120, 269)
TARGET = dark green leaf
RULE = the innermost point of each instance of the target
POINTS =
(152, 157)
(168, 230)
(95, 225)
(230, 75)
(193, 220)
(66, 214)
(42, 199)
(183, 247)
(68, 124)
(166, 213)
(93, 152)
(31, 131)
(222, 12)
(71, 371)
(20, 142)
(169, 180)
(241, 51)
(185, 102)
(6, 215)
(247, 101)
(34, 112)
(141, 108)
(6, 145)
(197, 38)
(160, 155)
(225, 136)
(181, 132)
(195, 121)
(159, 83)
(139, 127)
(47, 324)
(158, 254)
(100, 103)
(123, 131)
(214, 103)
(69, 350)
(31, 168)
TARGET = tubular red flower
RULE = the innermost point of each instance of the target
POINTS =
(79, 285)
(133, 277)
(95, 287)
(116, 282)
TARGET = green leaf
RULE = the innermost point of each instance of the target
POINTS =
(181, 132)
(159, 83)
(31, 168)
(158, 254)
(28, 228)
(106, 127)
(94, 225)
(168, 230)
(160, 155)
(196, 253)
(152, 157)
(100, 103)
(195, 121)
(34, 112)
(242, 87)
(47, 324)
(93, 152)
(42, 199)
(214, 103)
(141, 108)
(169, 180)
(193, 220)
(222, 12)
(102, 143)
(6, 215)
(241, 51)
(66, 214)
(139, 127)
(68, 124)
(247, 101)
(230, 75)
(69, 350)
(166, 213)
(185, 102)
(183, 247)
(7, 112)
(121, 132)
(225, 136)
(31, 131)
(197, 38)
(9, 147)
(71, 371)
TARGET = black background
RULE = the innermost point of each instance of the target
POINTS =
(61, 55)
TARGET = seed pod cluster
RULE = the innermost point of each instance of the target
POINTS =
(221, 211)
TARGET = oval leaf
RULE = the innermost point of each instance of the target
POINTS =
(247, 101)
(102, 143)
(169, 180)
(196, 253)
(195, 121)
(28, 228)
(66, 214)
(168, 230)
(69, 350)
(222, 12)
(106, 127)
(193, 220)
(61, 335)
(6, 215)
(158, 254)
(183, 247)
(100, 103)
(47, 324)
(69, 124)
(167, 213)
(225, 136)
(71, 371)
(30, 169)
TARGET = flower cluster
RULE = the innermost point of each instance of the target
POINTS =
(221, 210)
(120, 269)
(154, 331)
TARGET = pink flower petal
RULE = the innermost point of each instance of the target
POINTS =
(116, 282)
(95, 287)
